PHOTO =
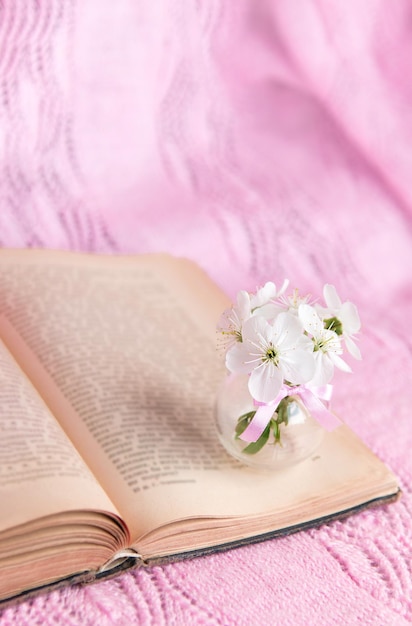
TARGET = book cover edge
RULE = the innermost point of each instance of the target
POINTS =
(89, 577)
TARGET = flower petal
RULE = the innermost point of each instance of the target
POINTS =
(238, 359)
(310, 319)
(340, 363)
(353, 348)
(331, 297)
(263, 295)
(256, 329)
(265, 382)
(269, 311)
(243, 305)
(298, 366)
(350, 318)
(284, 286)
(323, 369)
(287, 331)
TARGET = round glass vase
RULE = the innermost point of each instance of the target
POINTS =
(294, 434)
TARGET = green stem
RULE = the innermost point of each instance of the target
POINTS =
(280, 416)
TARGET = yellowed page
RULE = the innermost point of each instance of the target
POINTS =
(341, 475)
(40, 471)
(128, 345)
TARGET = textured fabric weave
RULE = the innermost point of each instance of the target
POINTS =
(262, 139)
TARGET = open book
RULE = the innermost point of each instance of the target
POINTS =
(108, 454)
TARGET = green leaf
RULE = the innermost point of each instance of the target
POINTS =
(243, 422)
(255, 446)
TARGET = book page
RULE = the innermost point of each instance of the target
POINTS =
(123, 350)
(36, 458)
(128, 346)
(341, 476)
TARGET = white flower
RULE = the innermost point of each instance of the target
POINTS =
(272, 354)
(346, 314)
(231, 321)
(262, 302)
(292, 302)
(326, 346)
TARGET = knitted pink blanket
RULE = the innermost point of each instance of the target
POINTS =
(262, 139)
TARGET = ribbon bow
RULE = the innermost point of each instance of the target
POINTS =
(312, 399)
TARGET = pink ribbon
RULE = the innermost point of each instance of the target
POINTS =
(312, 399)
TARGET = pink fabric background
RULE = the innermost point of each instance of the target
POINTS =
(263, 139)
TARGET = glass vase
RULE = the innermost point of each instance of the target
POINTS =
(294, 435)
